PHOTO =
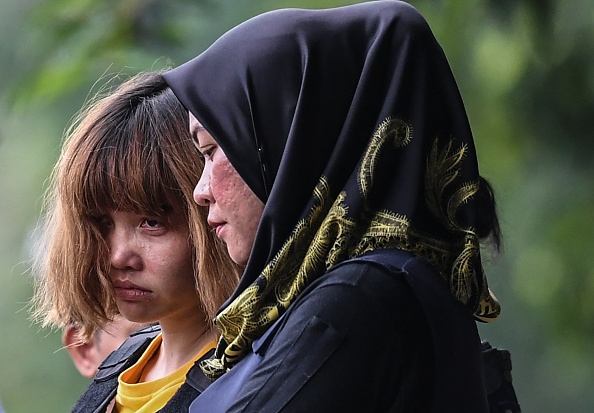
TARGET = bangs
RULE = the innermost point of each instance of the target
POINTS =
(127, 150)
(124, 172)
(127, 153)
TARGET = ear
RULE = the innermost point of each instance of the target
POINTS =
(82, 354)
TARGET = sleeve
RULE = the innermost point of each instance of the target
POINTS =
(357, 340)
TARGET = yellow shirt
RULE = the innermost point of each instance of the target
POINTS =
(149, 397)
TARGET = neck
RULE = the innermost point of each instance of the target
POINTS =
(181, 343)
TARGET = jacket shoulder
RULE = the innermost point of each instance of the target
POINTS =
(127, 354)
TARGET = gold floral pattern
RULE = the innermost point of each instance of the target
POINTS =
(329, 235)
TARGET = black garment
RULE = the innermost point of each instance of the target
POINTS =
(349, 125)
(371, 323)
(104, 386)
(497, 368)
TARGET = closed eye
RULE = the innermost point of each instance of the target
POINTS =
(207, 152)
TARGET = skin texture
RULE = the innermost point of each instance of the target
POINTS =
(234, 210)
(152, 273)
(145, 252)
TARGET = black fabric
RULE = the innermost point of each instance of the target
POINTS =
(104, 386)
(348, 123)
(127, 354)
(459, 378)
(309, 364)
(497, 368)
(307, 359)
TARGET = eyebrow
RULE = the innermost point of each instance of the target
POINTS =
(196, 129)
(194, 134)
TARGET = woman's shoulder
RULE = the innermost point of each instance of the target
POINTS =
(369, 286)
(386, 286)
(385, 271)
(358, 309)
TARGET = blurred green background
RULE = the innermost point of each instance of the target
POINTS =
(526, 73)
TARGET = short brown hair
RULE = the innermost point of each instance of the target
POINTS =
(128, 150)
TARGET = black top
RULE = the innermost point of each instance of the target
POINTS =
(348, 123)
(362, 338)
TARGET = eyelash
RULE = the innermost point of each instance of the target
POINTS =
(103, 222)
(156, 222)
(207, 153)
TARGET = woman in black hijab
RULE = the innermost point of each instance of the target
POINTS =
(344, 132)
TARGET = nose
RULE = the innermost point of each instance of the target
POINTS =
(124, 252)
(202, 193)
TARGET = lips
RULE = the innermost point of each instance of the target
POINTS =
(218, 230)
(217, 225)
(127, 290)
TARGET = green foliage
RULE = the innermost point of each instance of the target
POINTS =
(526, 73)
(82, 39)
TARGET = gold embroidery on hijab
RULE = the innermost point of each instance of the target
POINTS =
(327, 237)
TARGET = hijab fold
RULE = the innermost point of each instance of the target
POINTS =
(348, 124)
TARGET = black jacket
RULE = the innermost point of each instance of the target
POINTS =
(103, 389)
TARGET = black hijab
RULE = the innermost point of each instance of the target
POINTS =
(348, 124)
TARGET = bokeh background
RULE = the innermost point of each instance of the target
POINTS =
(526, 73)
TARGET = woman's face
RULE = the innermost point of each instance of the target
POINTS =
(234, 210)
(151, 268)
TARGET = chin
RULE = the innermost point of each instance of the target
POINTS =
(136, 316)
(239, 259)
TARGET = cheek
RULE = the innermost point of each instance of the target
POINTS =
(227, 187)
(176, 253)
(237, 201)
(181, 264)
(252, 209)
(184, 251)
